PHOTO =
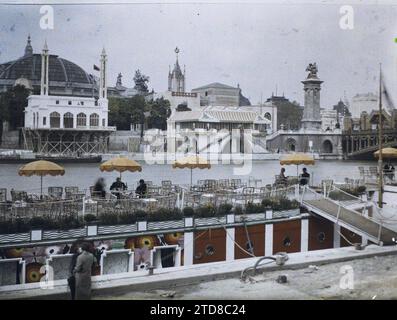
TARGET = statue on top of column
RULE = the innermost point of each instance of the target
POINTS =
(312, 68)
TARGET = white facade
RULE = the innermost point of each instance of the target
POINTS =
(65, 112)
(363, 102)
(329, 119)
(191, 100)
(46, 112)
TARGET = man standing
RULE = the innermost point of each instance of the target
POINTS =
(82, 271)
(304, 178)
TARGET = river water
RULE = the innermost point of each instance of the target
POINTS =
(85, 175)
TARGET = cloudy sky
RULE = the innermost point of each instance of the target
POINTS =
(260, 46)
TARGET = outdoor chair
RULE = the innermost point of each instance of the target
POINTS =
(166, 183)
(19, 196)
(70, 191)
(236, 183)
(55, 192)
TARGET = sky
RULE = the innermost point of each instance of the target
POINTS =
(259, 46)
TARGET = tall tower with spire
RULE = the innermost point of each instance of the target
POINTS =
(44, 71)
(176, 79)
(28, 48)
(102, 79)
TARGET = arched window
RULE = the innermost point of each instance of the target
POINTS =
(268, 116)
(68, 120)
(55, 120)
(327, 147)
(94, 120)
(81, 120)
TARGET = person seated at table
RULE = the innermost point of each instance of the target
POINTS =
(141, 189)
(118, 185)
(282, 178)
(99, 188)
(304, 177)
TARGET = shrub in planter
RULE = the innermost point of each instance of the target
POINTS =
(108, 219)
(88, 218)
(188, 212)
(224, 209)
(16, 226)
(267, 203)
(141, 215)
(254, 208)
(164, 214)
(43, 223)
(205, 211)
(238, 210)
(68, 222)
(282, 204)
(127, 218)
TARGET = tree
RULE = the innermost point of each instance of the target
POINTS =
(289, 114)
(141, 81)
(12, 106)
(124, 112)
(159, 113)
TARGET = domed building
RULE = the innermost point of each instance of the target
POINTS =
(66, 78)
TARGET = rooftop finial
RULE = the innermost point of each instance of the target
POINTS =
(177, 52)
(28, 48)
(45, 48)
(103, 51)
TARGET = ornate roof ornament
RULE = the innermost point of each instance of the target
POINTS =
(312, 69)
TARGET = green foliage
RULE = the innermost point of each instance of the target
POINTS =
(12, 106)
(159, 113)
(188, 211)
(126, 111)
(164, 214)
(289, 114)
(127, 218)
(206, 211)
(141, 81)
(90, 217)
(224, 209)
(108, 219)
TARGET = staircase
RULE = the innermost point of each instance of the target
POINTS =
(337, 212)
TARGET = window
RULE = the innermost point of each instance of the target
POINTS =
(287, 242)
(57, 102)
(103, 123)
(69, 103)
(55, 120)
(268, 116)
(34, 120)
(44, 121)
(82, 103)
(321, 236)
(94, 120)
(81, 120)
(209, 250)
(68, 120)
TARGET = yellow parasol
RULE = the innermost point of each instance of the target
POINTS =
(192, 162)
(297, 159)
(41, 168)
(120, 164)
(390, 153)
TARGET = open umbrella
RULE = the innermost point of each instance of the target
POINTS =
(389, 153)
(120, 164)
(41, 168)
(297, 159)
(192, 162)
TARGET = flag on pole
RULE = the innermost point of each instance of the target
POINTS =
(96, 68)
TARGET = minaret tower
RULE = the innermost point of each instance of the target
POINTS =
(311, 113)
(176, 79)
(102, 79)
(44, 71)
(28, 48)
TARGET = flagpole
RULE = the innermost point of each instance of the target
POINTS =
(380, 161)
